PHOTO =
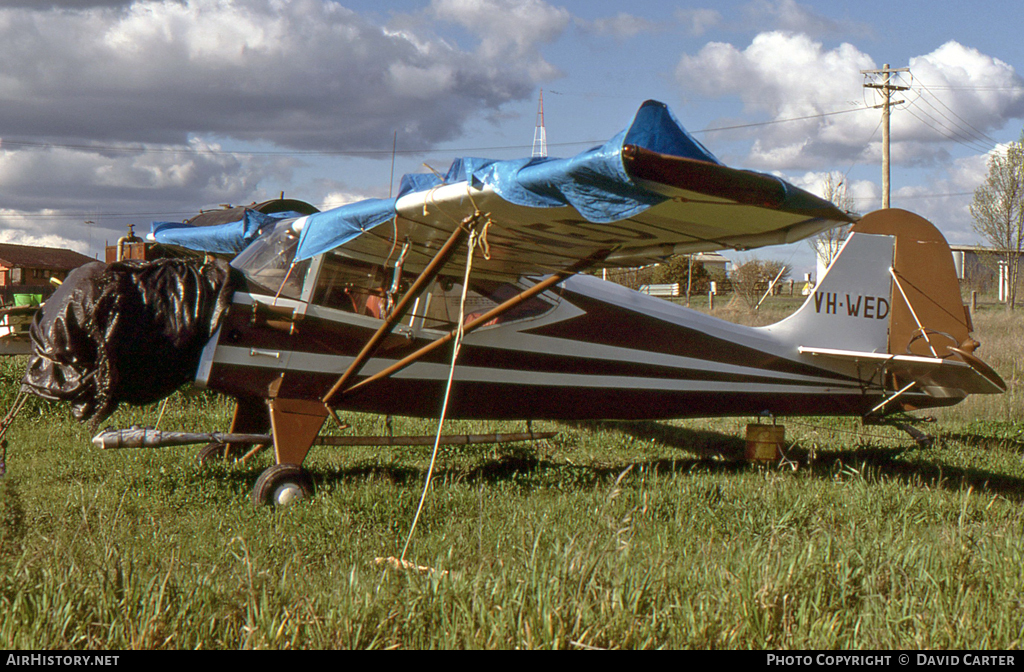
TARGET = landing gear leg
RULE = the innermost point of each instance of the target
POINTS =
(295, 426)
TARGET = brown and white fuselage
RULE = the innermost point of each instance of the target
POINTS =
(590, 349)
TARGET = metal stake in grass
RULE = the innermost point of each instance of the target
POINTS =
(6, 423)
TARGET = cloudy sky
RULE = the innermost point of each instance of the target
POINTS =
(116, 112)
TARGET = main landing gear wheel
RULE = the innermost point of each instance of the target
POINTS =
(281, 485)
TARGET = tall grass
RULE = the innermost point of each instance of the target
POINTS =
(1001, 334)
(611, 535)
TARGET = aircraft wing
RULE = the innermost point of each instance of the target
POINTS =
(650, 192)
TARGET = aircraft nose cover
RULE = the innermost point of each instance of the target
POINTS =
(127, 331)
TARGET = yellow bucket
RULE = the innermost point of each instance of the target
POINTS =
(764, 442)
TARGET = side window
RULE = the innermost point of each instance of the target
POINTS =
(343, 283)
(442, 310)
(349, 285)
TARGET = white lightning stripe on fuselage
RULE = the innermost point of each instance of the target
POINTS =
(508, 337)
(335, 364)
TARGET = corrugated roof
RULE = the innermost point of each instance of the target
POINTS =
(29, 256)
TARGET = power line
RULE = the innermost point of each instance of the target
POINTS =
(189, 213)
(376, 152)
(788, 119)
(918, 196)
(947, 133)
(953, 112)
(289, 152)
(949, 130)
(1019, 88)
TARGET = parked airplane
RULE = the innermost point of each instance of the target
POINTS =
(360, 308)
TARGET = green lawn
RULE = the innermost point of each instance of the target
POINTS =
(611, 535)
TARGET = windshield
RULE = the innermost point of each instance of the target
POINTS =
(267, 262)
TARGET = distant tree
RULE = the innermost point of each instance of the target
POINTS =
(677, 269)
(827, 243)
(998, 209)
(750, 281)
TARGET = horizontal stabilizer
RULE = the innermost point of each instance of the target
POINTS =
(947, 373)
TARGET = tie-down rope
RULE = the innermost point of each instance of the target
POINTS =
(474, 238)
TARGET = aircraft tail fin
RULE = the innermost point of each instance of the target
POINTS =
(891, 289)
(850, 306)
(928, 314)
(892, 297)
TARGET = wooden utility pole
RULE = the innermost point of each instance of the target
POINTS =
(886, 86)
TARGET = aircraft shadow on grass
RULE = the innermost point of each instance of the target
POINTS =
(718, 452)
(712, 452)
(882, 462)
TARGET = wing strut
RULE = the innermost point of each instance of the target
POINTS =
(480, 321)
(421, 283)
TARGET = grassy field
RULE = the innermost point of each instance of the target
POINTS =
(612, 535)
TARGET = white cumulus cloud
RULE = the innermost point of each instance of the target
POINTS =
(506, 28)
(793, 78)
(305, 73)
(106, 102)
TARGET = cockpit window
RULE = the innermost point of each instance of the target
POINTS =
(442, 311)
(354, 286)
(267, 262)
(349, 285)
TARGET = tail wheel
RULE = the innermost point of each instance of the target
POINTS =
(212, 453)
(924, 334)
(281, 485)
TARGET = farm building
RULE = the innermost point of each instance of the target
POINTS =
(26, 270)
(713, 261)
(977, 266)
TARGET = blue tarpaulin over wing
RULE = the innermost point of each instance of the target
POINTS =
(326, 230)
(594, 182)
(230, 238)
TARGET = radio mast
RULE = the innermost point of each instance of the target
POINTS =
(540, 136)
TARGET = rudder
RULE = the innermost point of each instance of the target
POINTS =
(928, 313)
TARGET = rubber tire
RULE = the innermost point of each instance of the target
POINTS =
(282, 485)
(212, 453)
